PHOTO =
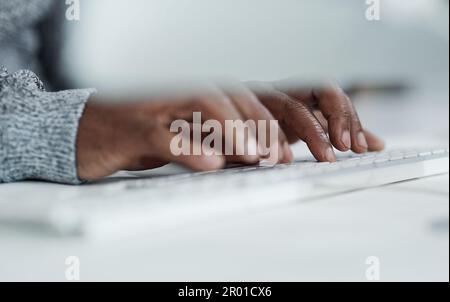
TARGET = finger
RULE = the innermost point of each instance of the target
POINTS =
(358, 136)
(322, 120)
(146, 163)
(300, 120)
(374, 142)
(216, 105)
(276, 148)
(201, 162)
(335, 107)
(337, 110)
(309, 129)
(346, 131)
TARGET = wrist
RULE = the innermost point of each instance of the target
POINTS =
(104, 140)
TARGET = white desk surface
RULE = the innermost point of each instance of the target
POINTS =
(405, 225)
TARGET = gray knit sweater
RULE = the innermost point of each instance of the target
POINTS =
(37, 128)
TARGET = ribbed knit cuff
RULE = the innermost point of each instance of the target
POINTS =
(38, 130)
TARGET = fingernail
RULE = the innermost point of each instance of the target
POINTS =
(330, 155)
(362, 142)
(346, 139)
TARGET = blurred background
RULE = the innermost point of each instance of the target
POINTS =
(154, 40)
(125, 46)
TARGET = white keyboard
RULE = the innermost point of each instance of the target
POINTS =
(128, 205)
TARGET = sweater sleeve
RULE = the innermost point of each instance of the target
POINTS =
(38, 129)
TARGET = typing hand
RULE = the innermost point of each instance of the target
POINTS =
(135, 135)
(322, 116)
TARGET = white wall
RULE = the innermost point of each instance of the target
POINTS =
(122, 44)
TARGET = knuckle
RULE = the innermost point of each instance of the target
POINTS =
(253, 98)
(293, 105)
(199, 104)
(332, 91)
(355, 120)
(357, 125)
(212, 98)
(346, 115)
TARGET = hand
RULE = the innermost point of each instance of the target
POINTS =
(322, 116)
(135, 135)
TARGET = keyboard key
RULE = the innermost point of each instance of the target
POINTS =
(365, 162)
(381, 160)
(439, 152)
(411, 154)
(396, 157)
(382, 155)
(348, 164)
(425, 153)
